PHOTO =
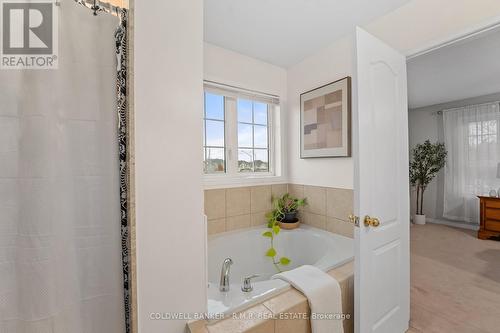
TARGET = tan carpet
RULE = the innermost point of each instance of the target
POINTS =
(455, 281)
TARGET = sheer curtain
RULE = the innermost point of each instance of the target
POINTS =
(471, 136)
(60, 245)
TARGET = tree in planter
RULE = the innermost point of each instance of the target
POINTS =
(427, 159)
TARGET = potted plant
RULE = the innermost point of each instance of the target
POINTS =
(285, 211)
(427, 159)
(284, 215)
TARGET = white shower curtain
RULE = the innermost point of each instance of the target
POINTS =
(472, 139)
(60, 246)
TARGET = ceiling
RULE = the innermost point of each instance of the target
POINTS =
(463, 70)
(284, 32)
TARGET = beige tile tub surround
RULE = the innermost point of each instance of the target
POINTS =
(238, 222)
(238, 201)
(316, 200)
(339, 203)
(260, 199)
(279, 190)
(328, 208)
(242, 207)
(279, 314)
(296, 190)
(215, 204)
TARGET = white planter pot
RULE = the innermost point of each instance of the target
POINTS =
(419, 219)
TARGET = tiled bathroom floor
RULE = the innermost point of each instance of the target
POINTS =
(455, 281)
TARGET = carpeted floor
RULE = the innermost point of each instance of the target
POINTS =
(455, 281)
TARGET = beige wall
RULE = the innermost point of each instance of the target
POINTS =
(242, 207)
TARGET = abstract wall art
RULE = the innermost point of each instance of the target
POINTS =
(325, 120)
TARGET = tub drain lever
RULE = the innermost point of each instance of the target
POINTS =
(247, 283)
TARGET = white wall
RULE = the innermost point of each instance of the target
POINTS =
(331, 64)
(463, 70)
(423, 23)
(168, 99)
(228, 67)
(417, 25)
(425, 123)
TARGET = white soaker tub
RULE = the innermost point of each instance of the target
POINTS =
(305, 245)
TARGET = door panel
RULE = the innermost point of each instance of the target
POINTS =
(381, 188)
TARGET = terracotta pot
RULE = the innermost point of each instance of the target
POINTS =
(290, 225)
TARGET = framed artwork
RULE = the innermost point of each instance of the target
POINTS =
(325, 120)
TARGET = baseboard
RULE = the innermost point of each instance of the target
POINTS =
(453, 224)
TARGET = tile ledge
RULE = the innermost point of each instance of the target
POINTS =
(340, 273)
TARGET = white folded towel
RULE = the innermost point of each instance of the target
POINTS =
(322, 292)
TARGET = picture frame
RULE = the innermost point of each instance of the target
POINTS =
(325, 120)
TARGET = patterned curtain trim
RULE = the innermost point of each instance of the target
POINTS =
(121, 90)
(98, 6)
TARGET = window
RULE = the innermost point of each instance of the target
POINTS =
(482, 133)
(214, 134)
(253, 133)
(239, 134)
(471, 139)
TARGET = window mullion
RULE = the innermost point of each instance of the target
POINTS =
(232, 136)
(253, 137)
(270, 140)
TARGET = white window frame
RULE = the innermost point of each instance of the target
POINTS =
(231, 177)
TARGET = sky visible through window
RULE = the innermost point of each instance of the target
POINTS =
(253, 142)
(214, 134)
(252, 126)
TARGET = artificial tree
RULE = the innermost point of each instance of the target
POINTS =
(427, 159)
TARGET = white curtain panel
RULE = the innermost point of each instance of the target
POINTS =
(472, 139)
(60, 247)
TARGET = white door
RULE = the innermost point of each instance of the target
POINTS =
(382, 279)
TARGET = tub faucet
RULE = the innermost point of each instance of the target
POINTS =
(224, 275)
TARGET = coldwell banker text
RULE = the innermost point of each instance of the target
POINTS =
(29, 34)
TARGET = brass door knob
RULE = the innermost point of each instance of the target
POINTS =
(353, 219)
(371, 221)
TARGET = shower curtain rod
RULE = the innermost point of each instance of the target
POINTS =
(102, 6)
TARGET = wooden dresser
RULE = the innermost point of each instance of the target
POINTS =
(490, 217)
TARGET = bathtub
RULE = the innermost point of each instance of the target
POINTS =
(306, 245)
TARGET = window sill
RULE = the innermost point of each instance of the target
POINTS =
(225, 181)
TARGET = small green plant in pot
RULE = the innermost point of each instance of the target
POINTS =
(285, 211)
(286, 208)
